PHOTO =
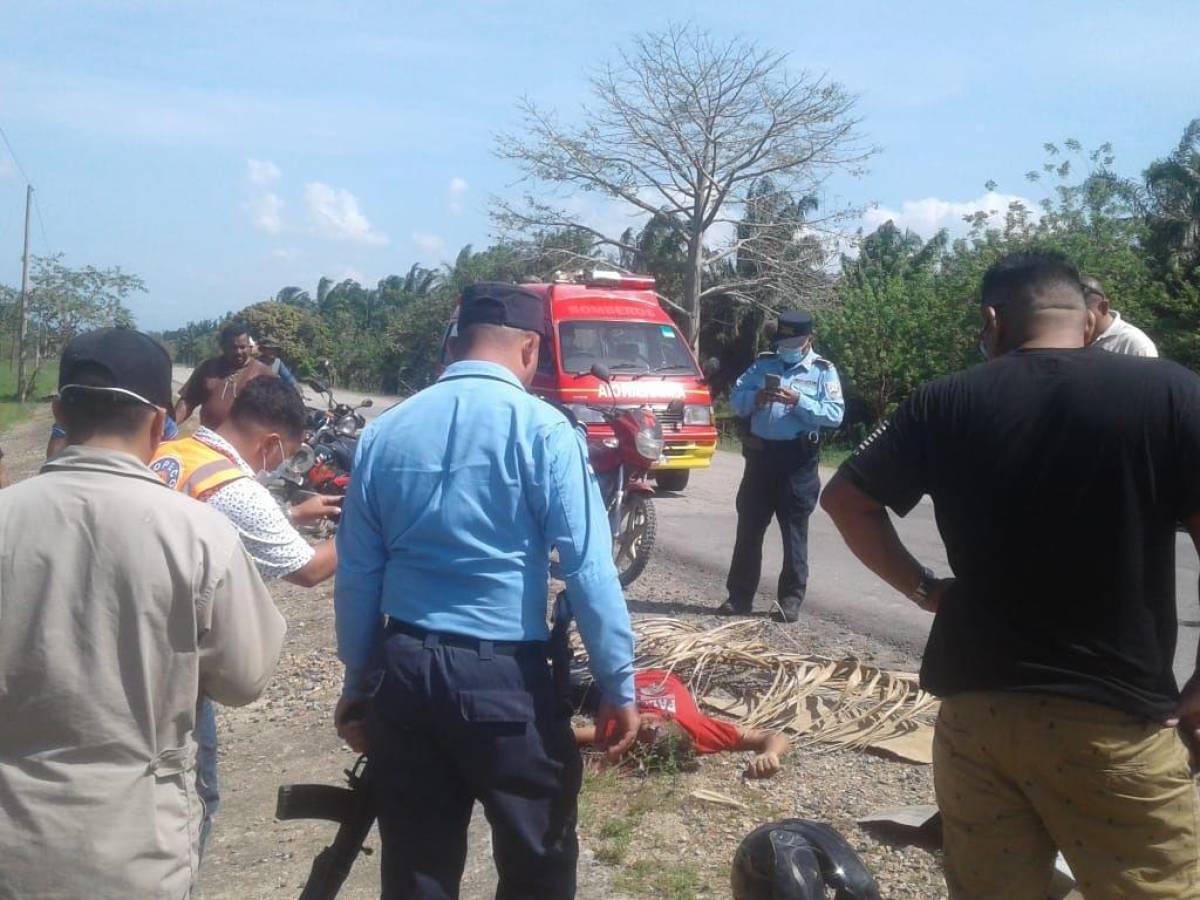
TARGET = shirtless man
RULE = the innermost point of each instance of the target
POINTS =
(215, 384)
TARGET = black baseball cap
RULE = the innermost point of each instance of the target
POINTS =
(135, 364)
(793, 329)
(500, 303)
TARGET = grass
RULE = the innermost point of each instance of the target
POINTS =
(608, 809)
(659, 879)
(12, 412)
(612, 808)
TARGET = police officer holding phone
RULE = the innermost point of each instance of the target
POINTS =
(788, 396)
(458, 496)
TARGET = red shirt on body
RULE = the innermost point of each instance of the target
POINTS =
(662, 694)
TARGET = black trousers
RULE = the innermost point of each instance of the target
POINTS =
(451, 725)
(781, 482)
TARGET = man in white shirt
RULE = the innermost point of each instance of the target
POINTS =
(1107, 330)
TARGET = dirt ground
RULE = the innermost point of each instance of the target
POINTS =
(642, 836)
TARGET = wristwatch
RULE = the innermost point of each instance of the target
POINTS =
(924, 587)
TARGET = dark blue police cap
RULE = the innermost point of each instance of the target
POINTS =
(499, 303)
(794, 328)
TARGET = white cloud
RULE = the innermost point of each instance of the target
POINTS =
(458, 189)
(266, 212)
(264, 206)
(334, 213)
(431, 245)
(283, 253)
(930, 214)
(262, 172)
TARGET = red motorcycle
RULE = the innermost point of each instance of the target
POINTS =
(622, 464)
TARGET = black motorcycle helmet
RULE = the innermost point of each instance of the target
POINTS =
(795, 859)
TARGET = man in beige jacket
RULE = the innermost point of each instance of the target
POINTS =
(121, 601)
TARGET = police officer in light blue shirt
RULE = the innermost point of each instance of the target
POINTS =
(787, 397)
(456, 499)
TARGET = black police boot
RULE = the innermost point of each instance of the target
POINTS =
(729, 608)
(788, 609)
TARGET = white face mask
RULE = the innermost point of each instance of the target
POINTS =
(264, 473)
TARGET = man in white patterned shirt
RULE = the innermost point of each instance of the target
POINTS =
(219, 467)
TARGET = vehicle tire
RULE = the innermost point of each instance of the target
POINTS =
(635, 539)
(673, 480)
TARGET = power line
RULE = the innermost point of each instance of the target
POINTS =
(13, 154)
(37, 208)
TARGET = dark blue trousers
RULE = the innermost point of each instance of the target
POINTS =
(450, 725)
(780, 482)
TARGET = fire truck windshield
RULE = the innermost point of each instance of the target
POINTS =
(624, 347)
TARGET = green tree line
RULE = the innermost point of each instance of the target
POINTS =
(900, 311)
(62, 301)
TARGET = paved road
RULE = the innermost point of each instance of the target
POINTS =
(697, 526)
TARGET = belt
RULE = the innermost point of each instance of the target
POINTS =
(806, 444)
(482, 646)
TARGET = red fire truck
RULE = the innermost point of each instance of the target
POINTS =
(616, 320)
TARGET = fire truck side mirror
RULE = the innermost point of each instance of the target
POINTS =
(599, 370)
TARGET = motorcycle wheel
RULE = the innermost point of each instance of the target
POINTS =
(635, 538)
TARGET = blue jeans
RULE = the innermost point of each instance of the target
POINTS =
(206, 766)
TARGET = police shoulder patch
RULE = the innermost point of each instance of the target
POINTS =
(167, 468)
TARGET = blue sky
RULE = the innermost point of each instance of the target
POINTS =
(222, 150)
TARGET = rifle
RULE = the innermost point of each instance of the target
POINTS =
(354, 811)
(559, 651)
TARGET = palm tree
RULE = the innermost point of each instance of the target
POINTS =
(1173, 186)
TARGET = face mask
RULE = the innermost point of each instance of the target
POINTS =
(792, 355)
(264, 474)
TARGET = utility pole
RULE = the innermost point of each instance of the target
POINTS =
(24, 296)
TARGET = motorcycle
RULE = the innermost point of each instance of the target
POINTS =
(322, 464)
(622, 465)
(333, 436)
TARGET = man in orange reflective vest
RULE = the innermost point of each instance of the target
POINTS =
(219, 467)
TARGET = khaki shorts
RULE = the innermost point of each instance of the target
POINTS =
(1018, 775)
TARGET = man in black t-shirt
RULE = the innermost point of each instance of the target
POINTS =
(1059, 707)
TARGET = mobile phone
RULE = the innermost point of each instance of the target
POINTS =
(771, 381)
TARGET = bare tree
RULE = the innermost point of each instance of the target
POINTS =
(685, 126)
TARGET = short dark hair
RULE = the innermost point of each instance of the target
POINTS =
(232, 332)
(1026, 274)
(268, 402)
(89, 413)
(1093, 290)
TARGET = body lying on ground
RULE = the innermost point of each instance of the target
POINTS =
(672, 725)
